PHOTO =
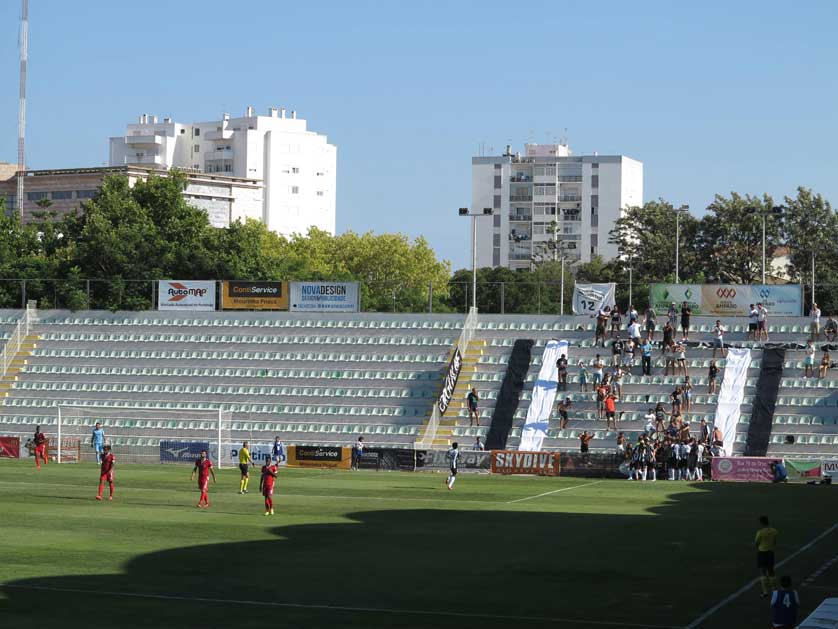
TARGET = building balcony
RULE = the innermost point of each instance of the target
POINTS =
(521, 217)
(520, 197)
(219, 154)
(226, 134)
(144, 160)
(144, 140)
(570, 198)
(521, 179)
(570, 178)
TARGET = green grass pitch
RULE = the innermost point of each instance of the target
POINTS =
(390, 549)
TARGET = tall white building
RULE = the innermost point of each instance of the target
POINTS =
(296, 167)
(585, 195)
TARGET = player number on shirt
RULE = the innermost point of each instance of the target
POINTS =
(787, 600)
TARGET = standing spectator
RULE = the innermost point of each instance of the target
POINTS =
(672, 315)
(669, 359)
(704, 430)
(472, 399)
(602, 317)
(616, 352)
(646, 356)
(561, 365)
(675, 399)
(585, 440)
(583, 377)
(660, 418)
(681, 357)
(719, 339)
(784, 605)
(815, 316)
(634, 332)
(617, 383)
(621, 443)
(649, 428)
(685, 320)
(628, 356)
(478, 445)
(762, 322)
(830, 330)
(598, 370)
(685, 432)
(357, 453)
(616, 320)
(809, 360)
(601, 393)
(752, 323)
(564, 407)
(692, 461)
(632, 314)
(610, 411)
(668, 336)
(687, 391)
(718, 440)
(651, 323)
(712, 373)
(826, 362)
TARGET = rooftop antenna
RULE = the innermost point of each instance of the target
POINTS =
(21, 112)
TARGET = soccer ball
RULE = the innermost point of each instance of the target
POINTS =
(52, 458)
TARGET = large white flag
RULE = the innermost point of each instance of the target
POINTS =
(589, 298)
(543, 397)
(732, 394)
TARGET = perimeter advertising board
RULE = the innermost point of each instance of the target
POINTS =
(10, 447)
(747, 469)
(185, 295)
(236, 295)
(323, 296)
(729, 300)
(830, 468)
(320, 456)
(517, 462)
(450, 382)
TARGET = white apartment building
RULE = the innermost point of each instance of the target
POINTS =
(584, 194)
(295, 167)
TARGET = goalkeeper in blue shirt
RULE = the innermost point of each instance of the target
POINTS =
(97, 441)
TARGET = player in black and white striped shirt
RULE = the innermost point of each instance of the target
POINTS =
(453, 457)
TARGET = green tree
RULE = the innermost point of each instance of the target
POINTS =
(730, 238)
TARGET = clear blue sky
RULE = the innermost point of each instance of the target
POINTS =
(711, 96)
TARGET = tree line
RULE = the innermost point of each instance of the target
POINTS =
(126, 237)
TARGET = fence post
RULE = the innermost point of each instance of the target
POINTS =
(431, 296)
(503, 297)
(88, 294)
(23, 294)
(539, 297)
(153, 305)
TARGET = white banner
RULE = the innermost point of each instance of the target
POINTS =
(185, 295)
(323, 296)
(543, 397)
(731, 394)
(589, 298)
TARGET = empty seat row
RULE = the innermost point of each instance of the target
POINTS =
(92, 337)
(234, 355)
(372, 324)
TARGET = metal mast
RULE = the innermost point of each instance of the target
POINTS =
(21, 113)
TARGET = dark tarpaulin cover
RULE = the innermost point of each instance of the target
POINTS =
(765, 399)
(509, 395)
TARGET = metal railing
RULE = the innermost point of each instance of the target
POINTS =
(432, 427)
(18, 336)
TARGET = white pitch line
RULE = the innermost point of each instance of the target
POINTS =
(695, 623)
(555, 491)
(346, 608)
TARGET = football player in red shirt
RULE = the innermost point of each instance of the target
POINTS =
(106, 472)
(40, 441)
(267, 486)
(204, 468)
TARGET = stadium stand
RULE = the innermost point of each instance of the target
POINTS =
(324, 379)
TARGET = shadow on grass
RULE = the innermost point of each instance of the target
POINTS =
(540, 566)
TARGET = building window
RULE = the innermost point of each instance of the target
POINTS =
(496, 240)
(228, 168)
(594, 201)
(85, 194)
(320, 174)
(595, 165)
(319, 193)
(496, 203)
(497, 181)
(196, 148)
(295, 170)
(594, 220)
(197, 131)
(496, 256)
(497, 166)
(594, 240)
(62, 195)
(182, 131)
(295, 189)
(496, 220)
(36, 196)
(594, 181)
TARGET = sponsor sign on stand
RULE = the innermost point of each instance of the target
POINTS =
(475, 460)
(10, 447)
(185, 295)
(183, 451)
(320, 456)
(752, 469)
(450, 381)
(254, 295)
(729, 300)
(323, 296)
(830, 468)
(516, 462)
